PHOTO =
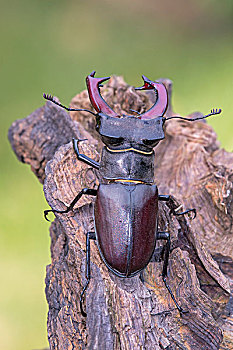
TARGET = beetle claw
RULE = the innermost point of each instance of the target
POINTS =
(45, 215)
(182, 312)
(194, 212)
(84, 314)
(81, 299)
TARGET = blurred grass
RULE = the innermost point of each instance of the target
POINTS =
(50, 46)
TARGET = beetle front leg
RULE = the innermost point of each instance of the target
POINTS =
(88, 191)
(89, 236)
(166, 236)
(84, 158)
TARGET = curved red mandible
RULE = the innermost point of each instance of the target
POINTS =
(160, 106)
(93, 87)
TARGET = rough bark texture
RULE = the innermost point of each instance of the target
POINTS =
(135, 313)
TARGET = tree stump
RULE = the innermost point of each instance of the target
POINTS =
(135, 313)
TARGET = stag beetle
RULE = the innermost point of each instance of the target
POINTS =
(126, 205)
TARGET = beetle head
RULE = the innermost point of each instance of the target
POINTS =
(118, 130)
(154, 114)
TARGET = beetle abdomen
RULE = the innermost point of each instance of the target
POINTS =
(126, 223)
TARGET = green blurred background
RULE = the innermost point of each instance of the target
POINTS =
(50, 46)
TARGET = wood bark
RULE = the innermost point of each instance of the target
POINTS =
(135, 313)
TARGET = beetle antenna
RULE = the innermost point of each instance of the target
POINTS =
(212, 112)
(51, 98)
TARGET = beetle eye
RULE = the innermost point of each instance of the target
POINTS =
(150, 142)
(113, 141)
(116, 141)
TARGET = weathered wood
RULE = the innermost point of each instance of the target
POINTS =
(135, 313)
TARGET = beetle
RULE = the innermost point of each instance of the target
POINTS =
(126, 205)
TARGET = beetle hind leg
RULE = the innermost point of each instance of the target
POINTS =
(166, 236)
(89, 236)
(87, 191)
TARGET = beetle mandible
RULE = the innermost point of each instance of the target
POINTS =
(126, 205)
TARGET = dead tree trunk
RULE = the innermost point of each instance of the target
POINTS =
(135, 313)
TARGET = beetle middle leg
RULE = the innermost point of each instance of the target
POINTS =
(166, 198)
(89, 236)
(87, 191)
(166, 236)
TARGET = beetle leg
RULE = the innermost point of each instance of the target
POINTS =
(166, 236)
(90, 235)
(84, 158)
(166, 198)
(193, 210)
(88, 191)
